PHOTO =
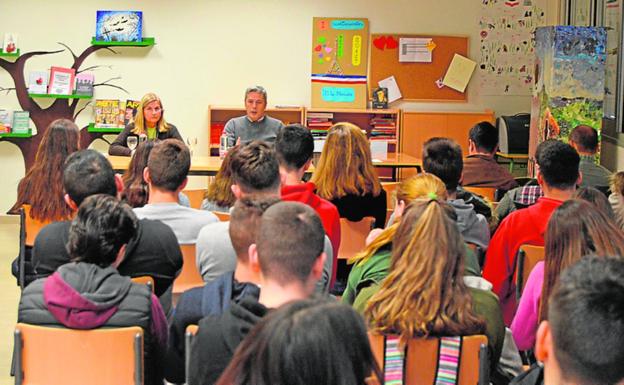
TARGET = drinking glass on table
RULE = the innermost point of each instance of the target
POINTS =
(132, 142)
(192, 143)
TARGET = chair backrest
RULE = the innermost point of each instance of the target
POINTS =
(189, 276)
(195, 196)
(144, 280)
(390, 188)
(31, 226)
(423, 365)
(353, 236)
(223, 217)
(56, 355)
(528, 257)
(487, 192)
(191, 331)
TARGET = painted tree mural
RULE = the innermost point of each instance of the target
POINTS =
(60, 108)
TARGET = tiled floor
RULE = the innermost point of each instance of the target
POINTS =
(9, 296)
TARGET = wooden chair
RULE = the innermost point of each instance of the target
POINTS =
(191, 331)
(56, 355)
(144, 280)
(189, 276)
(390, 188)
(353, 236)
(223, 217)
(487, 192)
(29, 228)
(528, 256)
(423, 354)
(195, 196)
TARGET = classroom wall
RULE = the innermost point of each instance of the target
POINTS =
(208, 52)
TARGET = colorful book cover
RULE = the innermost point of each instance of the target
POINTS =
(131, 110)
(380, 98)
(61, 81)
(5, 121)
(119, 26)
(84, 84)
(21, 122)
(38, 82)
(109, 113)
(10, 43)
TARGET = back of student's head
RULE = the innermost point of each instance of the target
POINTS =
(86, 173)
(442, 157)
(255, 168)
(617, 183)
(586, 317)
(102, 225)
(585, 138)
(168, 164)
(294, 146)
(485, 136)
(558, 164)
(289, 241)
(301, 343)
(136, 192)
(597, 198)
(245, 222)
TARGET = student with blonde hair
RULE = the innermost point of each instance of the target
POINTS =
(346, 177)
(149, 123)
(424, 293)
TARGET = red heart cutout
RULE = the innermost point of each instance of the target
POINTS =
(380, 42)
(318, 48)
(391, 43)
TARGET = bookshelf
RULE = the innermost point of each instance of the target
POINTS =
(12, 54)
(106, 130)
(16, 134)
(145, 42)
(218, 116)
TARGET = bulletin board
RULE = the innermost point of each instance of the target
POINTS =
(339, 56)
(416, 81)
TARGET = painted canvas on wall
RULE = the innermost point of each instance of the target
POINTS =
(507, 44)
(119, 26)
(570, 81)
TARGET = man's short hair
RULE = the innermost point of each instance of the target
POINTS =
(245, 222)
(290, 239)
(257, 89)
(255, 168)
(294, 146)
(169, 164)
(485, 136)
(586, 317)
(585, 138)
(86, 173)
(102, 225)
(558, 163)
(442, 157)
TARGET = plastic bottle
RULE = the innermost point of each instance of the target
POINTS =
(223, 145)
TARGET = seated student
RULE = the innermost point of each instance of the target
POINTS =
(305, 342)
(89, 292)
(256, 174)
(424, 293)
(215, 297)
(443, 158)
(584, 140)
(346, 176)
(597, 198)
(480, 167)
(152, 251)
(294, 148)
(577, 228)
(558, 176)
(582, 342)
(166, 175)
(219, 196)
(616, 199)
(289, 256)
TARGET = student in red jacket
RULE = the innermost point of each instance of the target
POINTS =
(558, 175)
(294, 148)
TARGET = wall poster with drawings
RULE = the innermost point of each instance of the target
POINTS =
(507, 45)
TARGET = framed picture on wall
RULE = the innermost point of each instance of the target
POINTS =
(119, 26)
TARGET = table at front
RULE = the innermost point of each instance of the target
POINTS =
(209, 165)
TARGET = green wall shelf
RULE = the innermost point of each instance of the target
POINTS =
(14, 54)
(146, 42)
(16, 135)
(57, 96)
(109, 130)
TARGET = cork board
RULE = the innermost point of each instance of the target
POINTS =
(417, 81)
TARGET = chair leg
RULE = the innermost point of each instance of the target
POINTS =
(484, 369)
(17, 358)
(138, 360)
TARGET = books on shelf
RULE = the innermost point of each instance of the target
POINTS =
(61, 81)
(131, 110)
(382, 128)
(38, 82)
(10, 43)
(109, 113)
(6, 117)
(21, 122)
(84, 84)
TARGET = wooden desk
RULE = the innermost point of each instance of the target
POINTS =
(512, 158)
(209, 165)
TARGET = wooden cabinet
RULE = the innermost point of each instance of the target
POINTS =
(218, 116)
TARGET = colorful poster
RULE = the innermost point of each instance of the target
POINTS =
(339, 62)
(507, 45)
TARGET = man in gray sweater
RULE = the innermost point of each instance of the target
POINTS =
(255, 125)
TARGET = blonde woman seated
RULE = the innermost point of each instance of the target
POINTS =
(346, 177)
(373, 263)
(424, 293)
